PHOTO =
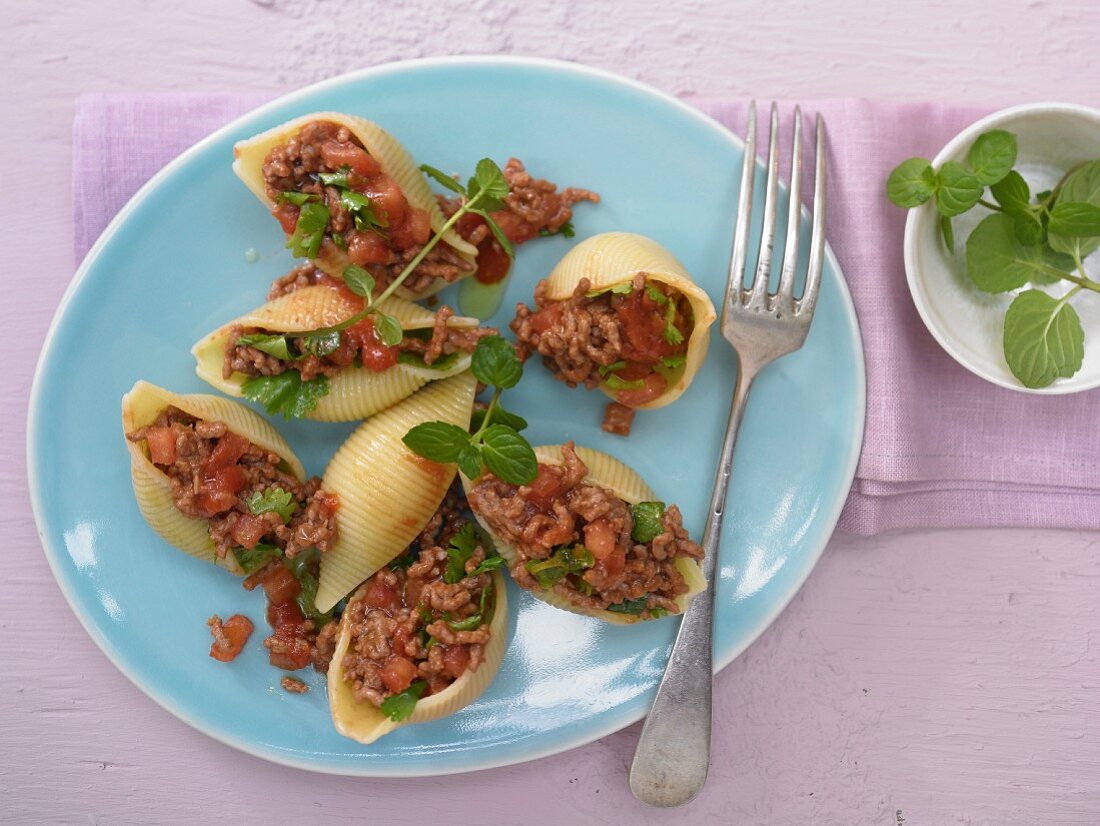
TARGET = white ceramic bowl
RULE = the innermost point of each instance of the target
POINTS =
(968, 323)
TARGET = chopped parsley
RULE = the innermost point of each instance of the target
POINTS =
(462, 547)
(272, 344)
(629, 606)
(273, 500)
(573, 559)
(305, 242)
(648, 521)
(672, 333)
(252, 559)
(400, 706)
(611, 368)
(624, 288)
(566, 230)
(616, 383)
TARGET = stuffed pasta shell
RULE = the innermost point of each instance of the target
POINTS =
(387, 492)
(589, 536)
(217, 481)
(424, 636)
(346, 192)
(350, 374)
(620, 313)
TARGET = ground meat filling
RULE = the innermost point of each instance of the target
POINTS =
(383, 234)
(359, 346)
(410, 625)
(214, 474)
(533, 207)
(633, 342)
(578, 540)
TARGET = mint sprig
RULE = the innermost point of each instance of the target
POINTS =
(1040, 240)
(495, 442)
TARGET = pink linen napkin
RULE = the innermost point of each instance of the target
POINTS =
(942, 447)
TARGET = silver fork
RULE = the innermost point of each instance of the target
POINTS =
(673, 755)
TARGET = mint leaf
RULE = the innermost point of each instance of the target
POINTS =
(495, 362)
(400, 706)
(305, 241)
(438, 441)
(461, 548)
(273, 500)
(286, 393)
(948, 232)
(508, 455)
(359, 281)
(992, 156)
(417, 360)
(319, 344)
(1082, 186)
(1075, 220)
(1012, 193)
(490, 180)
(648, 521)
(1028, 228)
(388, 329)
(958, 189)
(469, 461)
(273, 345)
(911, 183)
(442, 178)
(1043, 339)
(997, 261)
(500, 416)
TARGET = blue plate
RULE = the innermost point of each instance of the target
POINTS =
(172, 266)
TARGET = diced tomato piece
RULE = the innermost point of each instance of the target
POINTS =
(643, 324)
(397, 674)
(248, 530)
(367, 248)
(376, 356)
(287, 216)
(547, 485)
(599, 537)
(468, 223)
(400, 640)
(295, 652)
(237, 630)
(336, 154)
(285, 614)
(612, 565)
(515, 229)
(456, 659)
(280, 585)
(162, 445)
(219, 491)
(227, 451)
(382, 595)
(415, 229)
(386, 197)
(546, 318)
(655, 385)
(493, 263)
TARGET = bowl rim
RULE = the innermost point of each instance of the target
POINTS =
(916, 219)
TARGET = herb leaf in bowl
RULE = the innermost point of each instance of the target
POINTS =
(1040, 241)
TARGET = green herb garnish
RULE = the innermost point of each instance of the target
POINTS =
(673, 362)
(273, 345)
(494, 444)
(616, 383)
(305, 242)
(672, 333)
(298, 198)
(417, 360)
(624, 288)
(566, 230)
(1040, 240)
(648, 521)
(302, 567)
(359, 280)
(629, 606)
(285, 393)
(273, 500)
(252, 559)
(400, 706)
(461, 548)
(604, 369)
(573, 559)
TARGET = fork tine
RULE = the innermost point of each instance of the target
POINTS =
(744, 215)
(767, 232)
(806, 304)
(784, 299)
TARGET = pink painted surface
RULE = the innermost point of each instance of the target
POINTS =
(929, 677)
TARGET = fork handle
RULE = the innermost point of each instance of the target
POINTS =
(673, 754)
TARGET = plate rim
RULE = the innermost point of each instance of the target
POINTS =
(831, 515)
